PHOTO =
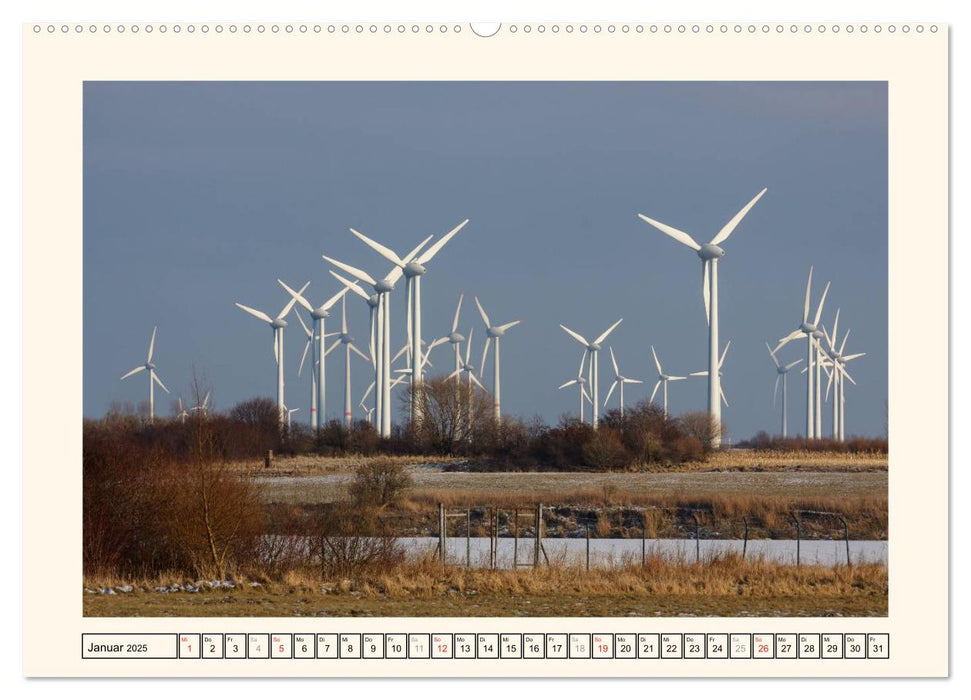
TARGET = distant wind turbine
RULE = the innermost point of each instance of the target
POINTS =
(315, 341)
(662, 381)
(619, 380)
(152, 377)
(347, 341)
(494, 333)
(721, 361)
(581, 382)
(277, 324)
(594, 372)
(809, 330)
(709, 254)
(782, 372)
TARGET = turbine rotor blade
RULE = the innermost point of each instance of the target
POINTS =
(485, 353)
(485, 317)
(657, 362)
(675, 379)
(353, 271)
(381, 250)
(458, 308)
(353, 286)
(332, 346)
(611, 391)
(134, 371)
(775, 360)
(579, 338)
(340, 295)
(805, 307)
(468, 346)
(159, 382)
(721, 360)
(727, 229)
(259, 314)
(151, 345)
(437, 246)
(613, 360)
(603, 336)
(654, 393)
(293, 300)
(793, 364)
(776, 390)
(706, 288)
(478, 383)
(819, 309)
(364, 357)
(506, 326)
(583, 358)
(853, 357)
(296, 295)
(679, 236)
(569, 383)
(722, 392)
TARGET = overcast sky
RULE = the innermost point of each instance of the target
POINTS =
(197, 195)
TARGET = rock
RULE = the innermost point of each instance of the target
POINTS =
(126, 588)
(108, 591)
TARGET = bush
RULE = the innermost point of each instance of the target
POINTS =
(378, 482)
(605, 451)
(351, 541)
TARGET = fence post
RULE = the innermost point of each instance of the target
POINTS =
(846, 538)
(468, 538)
(441, 530)
(798, 535)
(268, 459)
(539, 534)
(643, 539)
(515, 539)
(697, 538)
(745, 541)
(588, 546)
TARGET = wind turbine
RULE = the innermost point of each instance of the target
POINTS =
(413, 271)
(315, 340)
(277, 324)
(152, 377)
(620, 380)
(468, 369)
(182, 414)
(662, 380)
(594, 350)
(290, 412)
(721, 361)
(347, 341)
(204, 406)
(709, 254)
(382, 368)
(839, 399)
(782, 372)
(809, 330)
(581, 382)
(494, 333)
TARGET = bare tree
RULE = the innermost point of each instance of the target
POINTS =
(452, 414)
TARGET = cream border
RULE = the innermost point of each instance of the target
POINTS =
(915, 66)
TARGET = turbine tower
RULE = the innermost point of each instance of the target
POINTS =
(318, 380)
(594, 371)
(413, 270)
(277, 324)
(709, 254)
(619, 379)
(782, 372)
(662, 380)
(581, 382)
(839, 370)
(809, 330)
(347, 341)
(152, 377)
(468, 369)
(494, 333)
(382, 368)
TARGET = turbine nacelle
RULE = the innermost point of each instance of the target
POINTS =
(807, 328)
(710, 251)
(414, 269)
(382, 286)
(593, 346)
(319, 313)
(278, 323)
(456, 338)
(150, 366)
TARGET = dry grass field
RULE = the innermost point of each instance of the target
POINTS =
(726, 586)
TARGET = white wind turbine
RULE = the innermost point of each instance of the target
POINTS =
(709, 254)
(782, 372)
(704, 373)
(620, 380)
(594, 371)
(347, 341)
(152, 377)
(182, 414)
(810, 330)
(494, 333)
(204, 406)
(382, 346)
(413, 271)
(581, 382)
(315, 341)
(839, 399)
(290, 412)
(468, 369)
(662, 381)
(277, 324)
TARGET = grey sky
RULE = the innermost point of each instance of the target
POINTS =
(197, 195)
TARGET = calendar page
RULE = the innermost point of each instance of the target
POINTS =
(413, 348)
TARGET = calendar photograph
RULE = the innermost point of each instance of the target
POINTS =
(494, 349)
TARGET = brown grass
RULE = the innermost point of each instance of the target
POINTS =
(310, 465)
(725, 585)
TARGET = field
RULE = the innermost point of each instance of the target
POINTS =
(724, 587)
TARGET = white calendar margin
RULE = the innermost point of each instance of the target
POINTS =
(914, 65)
